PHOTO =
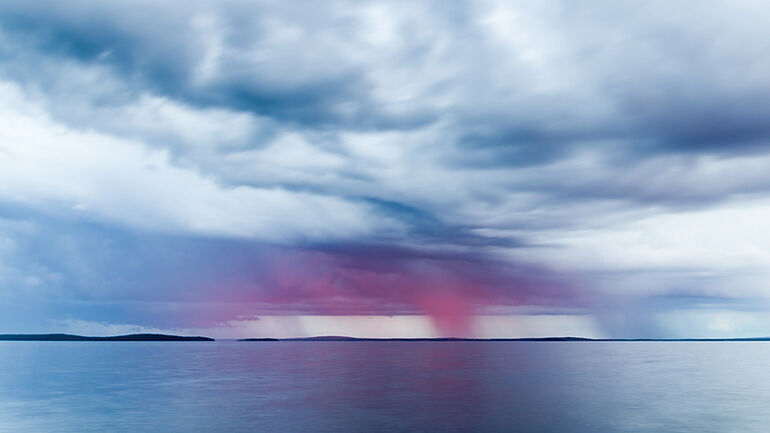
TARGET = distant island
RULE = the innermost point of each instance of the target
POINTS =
(575, 339)
(70, 337)
(343, 338)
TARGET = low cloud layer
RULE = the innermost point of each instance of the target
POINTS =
(186, 166)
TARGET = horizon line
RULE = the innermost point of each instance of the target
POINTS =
(331, 338)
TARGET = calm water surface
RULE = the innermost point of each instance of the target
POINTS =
(384, 387)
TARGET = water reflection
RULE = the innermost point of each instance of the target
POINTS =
(383, 387)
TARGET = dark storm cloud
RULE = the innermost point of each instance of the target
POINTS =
(159, 48)
(89, 271)
(673, 87)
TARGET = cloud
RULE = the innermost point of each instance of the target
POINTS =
(69, 171)
(381, 158)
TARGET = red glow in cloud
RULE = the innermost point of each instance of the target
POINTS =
(334, 287)
(451, 313)
(448, 290)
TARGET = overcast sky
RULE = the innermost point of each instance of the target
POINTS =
(242, 168)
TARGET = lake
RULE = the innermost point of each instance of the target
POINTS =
(228, 386)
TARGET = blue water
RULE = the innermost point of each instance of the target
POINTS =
(384, 387)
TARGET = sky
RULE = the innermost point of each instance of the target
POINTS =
(385, 169)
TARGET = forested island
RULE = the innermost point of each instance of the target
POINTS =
(70, 337)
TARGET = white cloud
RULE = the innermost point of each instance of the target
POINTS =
(399, 326)
(102, 329)
(54, 168)
(707, 323)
